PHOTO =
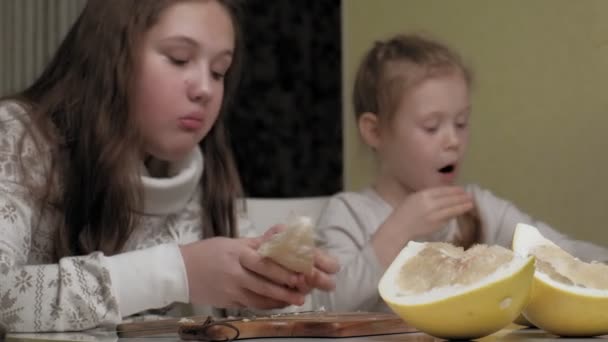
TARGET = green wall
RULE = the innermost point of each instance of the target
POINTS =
(540, 103)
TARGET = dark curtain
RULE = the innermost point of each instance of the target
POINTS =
(286, 122)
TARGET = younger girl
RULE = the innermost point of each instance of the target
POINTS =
(412, 104)
(115, 164)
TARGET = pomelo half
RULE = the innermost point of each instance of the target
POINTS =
(449, 293)
(569, 297)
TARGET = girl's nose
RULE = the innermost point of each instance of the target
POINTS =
(199, 85)
(451, 138)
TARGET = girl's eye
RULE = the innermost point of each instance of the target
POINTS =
(431, 125)
(431, 129)
(178, 61)
(218, 75)
(462, 123)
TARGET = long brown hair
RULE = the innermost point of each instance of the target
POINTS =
(80, 104)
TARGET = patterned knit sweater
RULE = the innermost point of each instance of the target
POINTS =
(40, 293)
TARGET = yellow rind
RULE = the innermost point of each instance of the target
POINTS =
(472, 314)
(555, 309)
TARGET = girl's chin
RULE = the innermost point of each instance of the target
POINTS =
(174, 154)
(447, 178)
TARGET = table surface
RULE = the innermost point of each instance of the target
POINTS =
(512, 333)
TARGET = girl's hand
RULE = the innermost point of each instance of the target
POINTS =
(426, 211)
(225, 272)
(420, 214)
(321, 277)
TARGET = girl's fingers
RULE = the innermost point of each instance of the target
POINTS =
(453, 211)
(446, 191)
(303, 286)
(264, 288)
(325, 262)
(321, 280)
(256, 301)
(266, 268)
(453, 201)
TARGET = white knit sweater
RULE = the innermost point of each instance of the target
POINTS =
(39, 293)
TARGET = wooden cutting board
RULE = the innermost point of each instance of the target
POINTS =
(316, 324)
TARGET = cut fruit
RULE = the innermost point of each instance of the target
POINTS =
(294, 247)
(449, 293)
(569, 297)
(522, 320)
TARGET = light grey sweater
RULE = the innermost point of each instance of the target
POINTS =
(39, 293)
(350, 219)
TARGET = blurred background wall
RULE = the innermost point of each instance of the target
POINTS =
(286, 123)
(30, 31)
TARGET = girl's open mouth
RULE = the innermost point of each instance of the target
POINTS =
(447, 169)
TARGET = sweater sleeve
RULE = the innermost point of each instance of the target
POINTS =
(75, 293)
(500, 217)
(343, 233)
(149, 278)
(80, 292)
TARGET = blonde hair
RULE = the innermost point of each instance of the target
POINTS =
(395, 65)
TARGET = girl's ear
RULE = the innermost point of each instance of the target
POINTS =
(369, 128)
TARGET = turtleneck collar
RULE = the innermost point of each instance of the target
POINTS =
(167, 195)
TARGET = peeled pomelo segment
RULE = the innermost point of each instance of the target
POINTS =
(294, 247)
(563, 268)
(449, 293)
(569, 297)
(452, 266)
